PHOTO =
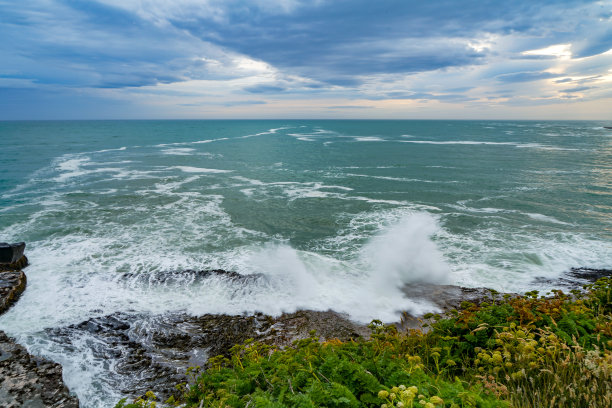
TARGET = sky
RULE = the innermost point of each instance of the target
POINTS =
(361, 59)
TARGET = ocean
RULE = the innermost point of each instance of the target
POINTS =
(333, 214)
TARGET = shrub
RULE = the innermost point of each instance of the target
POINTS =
(526, 351)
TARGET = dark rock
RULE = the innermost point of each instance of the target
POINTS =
(11, 253)
(444, 297)
(607, 127)
(188, 276)
(28, 381)
(15, 266)
(154, 352)
(25, 380)
(12, 285)
(447, 297)
(575, 278)
(589, 275)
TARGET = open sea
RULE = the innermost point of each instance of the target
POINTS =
(334, 214)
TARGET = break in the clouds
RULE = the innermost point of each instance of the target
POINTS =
(292, 58)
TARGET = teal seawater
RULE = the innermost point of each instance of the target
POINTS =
(334, 214)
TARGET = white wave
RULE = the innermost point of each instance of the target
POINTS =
(404, 253)
(369, 139)
(459, 142)
(179, 151)
(291, 189)
(485, 210)
(210, 140)
(543, 147)
(168, 187)
(510, 260)
(364, 288)
(307, 190)
(488, 210)
(390, 178)
(71, 167)
(125, 174)
(267, 132)
(220, 139)
(325, 131)
(189, 169)
(338, 188)
(376, 200)
(486, 143)
(545, 218)
(250, 181)
(315, 134)
(359, 272)
(120, 149)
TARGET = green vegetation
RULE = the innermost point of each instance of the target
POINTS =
(528, 351)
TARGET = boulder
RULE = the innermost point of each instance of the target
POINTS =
(15, 266)
(11, 253)
(12, 285)
(30, 381)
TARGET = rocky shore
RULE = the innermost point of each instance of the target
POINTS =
(30, 381)
(153, 352)
(26, 380)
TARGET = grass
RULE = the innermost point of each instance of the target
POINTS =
(527, 351)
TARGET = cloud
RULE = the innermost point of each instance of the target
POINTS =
(241, 103)
(525, 76)
(184, 52)
(577, 89)
(257, 89)
(350, 107)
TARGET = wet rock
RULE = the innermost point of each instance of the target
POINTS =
(15, 266)
(448, 297)
(11, 253)
(575, 278)
(443, 297)
(589, 275)
(25, 380)
(28, 381)
(154, 352)
(188, 276)
(12, 285)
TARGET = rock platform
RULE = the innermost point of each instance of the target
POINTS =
(26, 380)
(29, 381)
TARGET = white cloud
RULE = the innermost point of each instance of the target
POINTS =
(561, 51)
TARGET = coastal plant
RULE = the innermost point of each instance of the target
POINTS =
(331, 374)
(534, 350)
(512, 351)
(149, 400)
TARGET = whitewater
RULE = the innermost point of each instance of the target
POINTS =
(324, 215)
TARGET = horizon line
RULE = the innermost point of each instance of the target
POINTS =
(295, 119)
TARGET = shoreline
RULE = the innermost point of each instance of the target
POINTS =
(26, 380)
(181, 341)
